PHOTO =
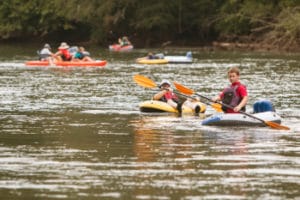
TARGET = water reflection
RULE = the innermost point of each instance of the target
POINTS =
(212, 158)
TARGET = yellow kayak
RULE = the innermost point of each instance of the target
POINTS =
(151, 61)
(160, 106)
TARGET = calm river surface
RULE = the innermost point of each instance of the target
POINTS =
(77, 133)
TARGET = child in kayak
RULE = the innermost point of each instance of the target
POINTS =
(167, 95)
(235, 95)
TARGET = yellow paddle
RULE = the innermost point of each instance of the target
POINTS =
(189, 91)
(144, 81)
(182, 89)
(148, 83)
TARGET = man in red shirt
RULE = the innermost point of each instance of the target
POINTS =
(235, 95)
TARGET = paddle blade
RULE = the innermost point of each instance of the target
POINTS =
(183, 89)
(217, 107)
(276, 126)
(144, 81)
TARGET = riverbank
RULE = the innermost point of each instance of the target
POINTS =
(243, 44)
(209, 46)
(254, 47)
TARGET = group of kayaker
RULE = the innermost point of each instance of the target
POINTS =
(235, 95)
(64, 53)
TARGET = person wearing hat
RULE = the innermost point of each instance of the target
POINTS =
(63, 54)
(45, 53)
(167, 95)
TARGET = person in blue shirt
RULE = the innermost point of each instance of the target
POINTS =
(82, 55)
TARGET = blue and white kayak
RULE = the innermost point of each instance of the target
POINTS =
(241, 119)
(180, 59)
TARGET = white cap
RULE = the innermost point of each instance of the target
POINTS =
(164, 81)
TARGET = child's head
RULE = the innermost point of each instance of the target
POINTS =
(234, 74)
(164, 84)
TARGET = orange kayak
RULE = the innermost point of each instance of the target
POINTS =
(97, 63)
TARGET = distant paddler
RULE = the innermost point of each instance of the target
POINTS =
(63, 53)
(82, 55)
(46, 55)
(124, 41)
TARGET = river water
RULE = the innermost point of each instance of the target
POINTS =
(77, 133)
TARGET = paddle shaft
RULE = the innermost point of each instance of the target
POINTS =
(183, 95)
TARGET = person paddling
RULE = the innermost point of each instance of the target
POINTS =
(46, 55)
(167, 95)
(235, 95)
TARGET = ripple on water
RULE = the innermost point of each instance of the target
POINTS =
(79, 133)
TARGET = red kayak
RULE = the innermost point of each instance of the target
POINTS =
(97, 63)
(117, 47)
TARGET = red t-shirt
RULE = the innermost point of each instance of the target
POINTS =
(241, 91)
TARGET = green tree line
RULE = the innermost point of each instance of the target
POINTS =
(151, 22)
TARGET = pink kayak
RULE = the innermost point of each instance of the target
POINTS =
(117, 47)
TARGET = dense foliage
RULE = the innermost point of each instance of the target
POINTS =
(151, 22)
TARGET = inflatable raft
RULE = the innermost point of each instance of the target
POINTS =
(151, 61)
(117, 47)
(160, 106)
(241, 119)
(162, 59)
(97, 63)
(180, 59)
(263, 110)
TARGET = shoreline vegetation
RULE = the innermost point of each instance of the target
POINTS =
(214, 46)
(228, 25)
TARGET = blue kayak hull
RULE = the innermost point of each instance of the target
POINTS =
(241, 119)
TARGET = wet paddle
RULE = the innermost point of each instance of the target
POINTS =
(148, 83)
(189, 91)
